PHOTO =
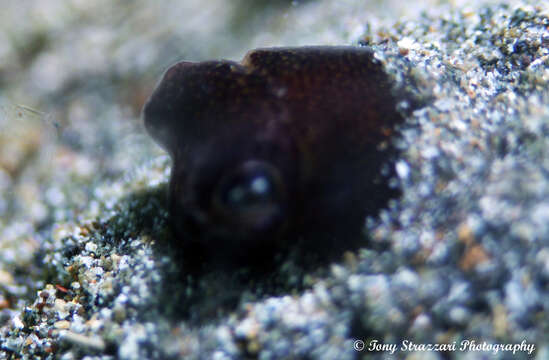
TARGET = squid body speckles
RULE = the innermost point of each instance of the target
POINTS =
(283, 147)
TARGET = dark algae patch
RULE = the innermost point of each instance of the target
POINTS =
(289, 148)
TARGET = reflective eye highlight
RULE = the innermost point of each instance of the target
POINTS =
(252, 186)
(250, 192)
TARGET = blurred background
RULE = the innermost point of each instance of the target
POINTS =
(74, 76)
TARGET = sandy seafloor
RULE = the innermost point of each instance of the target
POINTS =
(86, 266)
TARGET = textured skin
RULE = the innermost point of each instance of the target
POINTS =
(321, 115)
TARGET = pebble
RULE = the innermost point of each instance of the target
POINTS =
(62, 324)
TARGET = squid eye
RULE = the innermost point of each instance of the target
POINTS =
(252, 194)
(250, 191)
